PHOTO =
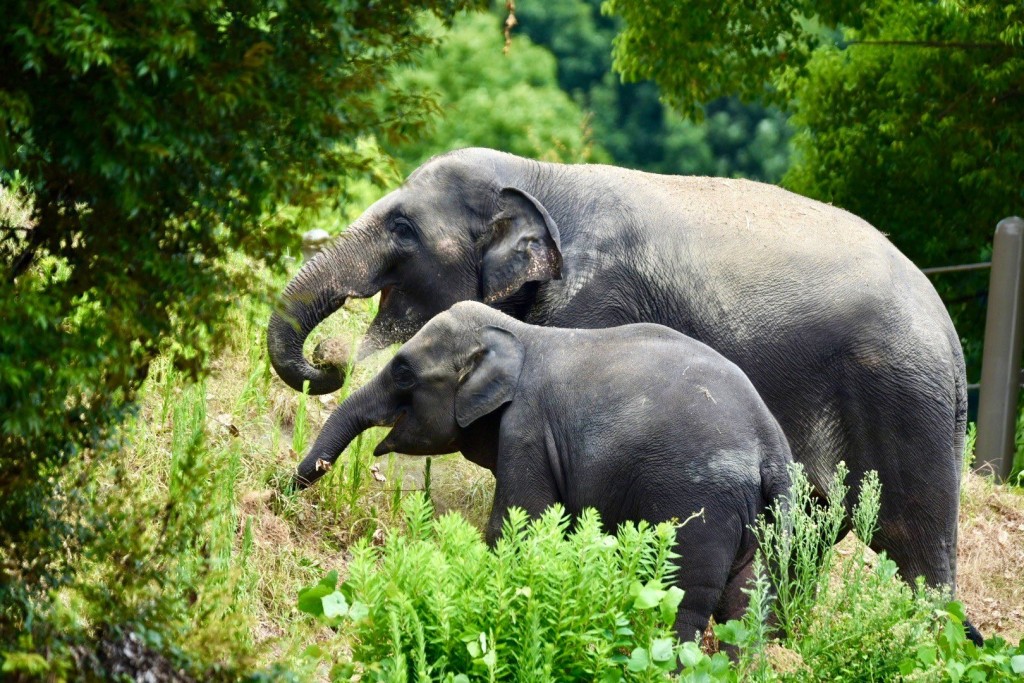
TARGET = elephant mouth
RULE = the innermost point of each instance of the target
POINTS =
(387, 444)
(385, 293)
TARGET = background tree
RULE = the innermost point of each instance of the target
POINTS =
(510, 102)
(629, 120)
(152, 142)
(909, 112)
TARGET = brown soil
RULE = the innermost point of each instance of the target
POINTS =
(990, 560)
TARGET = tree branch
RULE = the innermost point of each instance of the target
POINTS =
(935, 44)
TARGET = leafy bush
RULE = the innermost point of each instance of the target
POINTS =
(950, 655)
(847, 615)
(434, 603)
(144, 145)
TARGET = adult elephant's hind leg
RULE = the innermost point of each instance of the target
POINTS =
(904, 423)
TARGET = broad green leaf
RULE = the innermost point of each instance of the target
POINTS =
(649, 596)
(343, 671)
(956, 609)
(661, 650)
(690, 654)
(334, 605)
(638, 660)
(357, 610)
(310, 598)
(732, 632)
(670, 604)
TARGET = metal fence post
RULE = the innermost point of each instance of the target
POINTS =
(1001, 355)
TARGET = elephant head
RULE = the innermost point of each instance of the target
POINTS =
(462, 228)
(459, 368)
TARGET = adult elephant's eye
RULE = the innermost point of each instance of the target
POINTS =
(402, 229)
(403, 376)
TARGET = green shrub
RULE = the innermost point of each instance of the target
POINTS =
(434, 603)
(949, 655)
(550, 603)
(118, 221)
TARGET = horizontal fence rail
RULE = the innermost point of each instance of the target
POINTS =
(937, 270)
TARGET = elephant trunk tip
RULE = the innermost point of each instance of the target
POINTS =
(326, 374)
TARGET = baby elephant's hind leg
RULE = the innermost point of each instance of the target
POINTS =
(706, 558)
(734, 601)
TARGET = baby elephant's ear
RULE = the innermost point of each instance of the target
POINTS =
(491, 378)
(523, 246)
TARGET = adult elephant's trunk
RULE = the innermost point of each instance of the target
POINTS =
(348, 268)
(370, 406)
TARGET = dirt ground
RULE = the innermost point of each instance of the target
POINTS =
(990, 560)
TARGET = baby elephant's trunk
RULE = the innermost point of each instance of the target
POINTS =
(363, 409)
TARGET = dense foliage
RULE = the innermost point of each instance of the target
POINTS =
(432, 603)
(488, 99)
(908, 112)
(149, 141)
(629, 120)
(547, 604)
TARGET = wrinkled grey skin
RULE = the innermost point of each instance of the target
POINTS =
(846, 341)
(639, 422)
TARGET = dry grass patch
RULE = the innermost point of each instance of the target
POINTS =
(990, 560)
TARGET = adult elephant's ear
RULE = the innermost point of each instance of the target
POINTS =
(491, 375)
(523, 246)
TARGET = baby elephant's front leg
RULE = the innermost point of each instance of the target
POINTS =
(514, 490)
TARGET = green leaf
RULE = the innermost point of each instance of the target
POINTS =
(638, 660)
(670, 604)
(358, 610)
(334, 605)
(733, 632)
(649, 596)
(956, 609)
(343, 671)
(661, 650)
(1017, 664)
(955, 670)
(27, 662)
(907, 666)
(690, 654)
(310, 598)
(927, 654)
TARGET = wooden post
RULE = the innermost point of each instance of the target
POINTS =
(1001, 354)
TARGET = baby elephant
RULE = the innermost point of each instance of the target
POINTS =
(639, 422)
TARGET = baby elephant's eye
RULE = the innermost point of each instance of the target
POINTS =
(403, 376)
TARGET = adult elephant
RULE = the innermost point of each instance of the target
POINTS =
(845, 339)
